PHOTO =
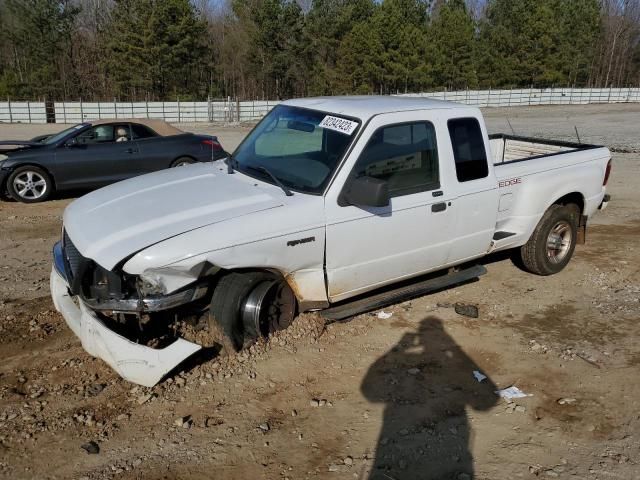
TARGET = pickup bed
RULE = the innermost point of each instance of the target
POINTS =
(326, 205)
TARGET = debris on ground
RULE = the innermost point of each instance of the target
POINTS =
(91, 448)
(466, 310)
(479, 376)
(512, 392)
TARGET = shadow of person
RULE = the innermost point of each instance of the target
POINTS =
(426, 382)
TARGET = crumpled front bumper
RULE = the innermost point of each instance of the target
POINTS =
(136, 363)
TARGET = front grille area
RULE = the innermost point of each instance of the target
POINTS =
(76, 265)
(72, 255)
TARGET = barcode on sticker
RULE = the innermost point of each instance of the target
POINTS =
(338, 124)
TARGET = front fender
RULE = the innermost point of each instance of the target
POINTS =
(299, 262)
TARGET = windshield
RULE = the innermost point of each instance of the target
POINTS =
(59, 136)
(300, 147)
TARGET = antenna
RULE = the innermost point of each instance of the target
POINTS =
(577, 134)
(511, 126)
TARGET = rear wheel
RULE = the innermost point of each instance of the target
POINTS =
(182, 161)
(553, 241)
(247, 306)
(29, 184)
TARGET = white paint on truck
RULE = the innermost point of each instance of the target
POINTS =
(176, 228)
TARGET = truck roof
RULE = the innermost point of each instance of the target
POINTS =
(366, 106)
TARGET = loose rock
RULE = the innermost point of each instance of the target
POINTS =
(92, 448)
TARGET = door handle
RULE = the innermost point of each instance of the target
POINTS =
(131, 150)
(439, 207)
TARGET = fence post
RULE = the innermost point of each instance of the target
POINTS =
(209, 108)
(238, 108)
(115, 107)
(489, 97)
(163, 115)
(10, 113)
(81, 112)
(179, 117)
(29, 110)
(146, 106)
(64, 111)
(609, 98)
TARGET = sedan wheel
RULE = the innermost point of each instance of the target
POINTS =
(181, 162)
(29, 185)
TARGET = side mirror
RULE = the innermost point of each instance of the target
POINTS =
(367, 192)
(72, 142)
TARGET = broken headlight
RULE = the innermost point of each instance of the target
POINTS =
(151, 286)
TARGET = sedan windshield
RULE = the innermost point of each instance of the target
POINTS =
(300, 147)
(59, 136)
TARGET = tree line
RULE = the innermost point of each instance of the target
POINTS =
(250, 49)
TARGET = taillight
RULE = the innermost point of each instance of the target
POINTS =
(607, 172)
(210, 142)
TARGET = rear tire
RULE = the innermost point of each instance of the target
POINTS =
(247, 306)
(29, 184)
(182, 161)
(553, 241)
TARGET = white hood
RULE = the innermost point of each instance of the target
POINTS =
(112, 223)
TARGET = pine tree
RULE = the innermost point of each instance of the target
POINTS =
(451, 50)
(326, 25)
(39, 32)
(155, 48)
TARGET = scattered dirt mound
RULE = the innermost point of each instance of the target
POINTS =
(28, 320)
(306, 328)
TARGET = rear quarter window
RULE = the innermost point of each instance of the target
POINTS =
(140, 131)
(468, 149)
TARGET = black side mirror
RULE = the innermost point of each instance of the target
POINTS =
(366, 192)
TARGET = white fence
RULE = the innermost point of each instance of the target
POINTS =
(536, 96)
(233, 111)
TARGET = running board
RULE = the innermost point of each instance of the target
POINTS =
(401, 294)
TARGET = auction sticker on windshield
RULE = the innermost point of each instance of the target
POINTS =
(338, 124)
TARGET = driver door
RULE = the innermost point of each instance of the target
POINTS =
(369, 247)
(97, 156)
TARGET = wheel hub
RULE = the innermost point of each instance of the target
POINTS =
(30, 185)
(559, 242)
(270, 307)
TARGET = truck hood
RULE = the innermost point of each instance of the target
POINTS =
(113, 223)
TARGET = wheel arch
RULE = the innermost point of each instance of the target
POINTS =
(575, 198)
(293, 281)
(31, 164)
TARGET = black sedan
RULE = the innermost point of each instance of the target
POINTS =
(95, 154)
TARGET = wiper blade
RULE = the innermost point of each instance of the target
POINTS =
(232, 164)
(286, 191)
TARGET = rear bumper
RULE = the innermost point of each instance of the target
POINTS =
(605, 201)
(134, 362)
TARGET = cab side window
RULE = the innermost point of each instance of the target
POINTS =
(405, 156)
(468, 149)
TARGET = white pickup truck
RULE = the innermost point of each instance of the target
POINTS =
(328, 204)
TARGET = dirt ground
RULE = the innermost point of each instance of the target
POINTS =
(372, 398)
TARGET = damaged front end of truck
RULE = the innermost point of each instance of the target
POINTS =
(130, 321)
